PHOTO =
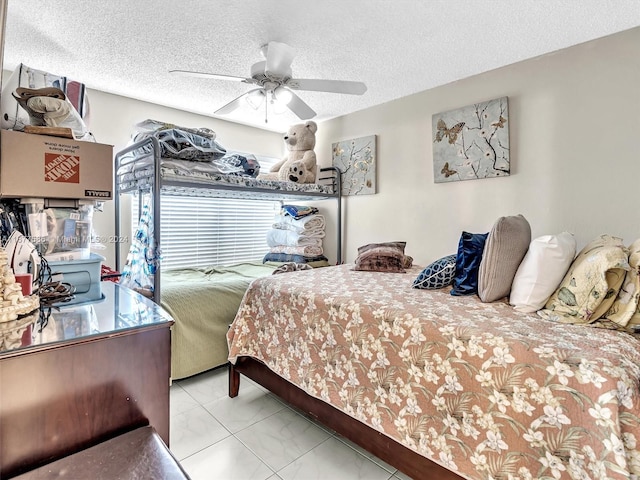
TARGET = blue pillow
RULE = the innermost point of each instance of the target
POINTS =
(468, 259)
(439, 274)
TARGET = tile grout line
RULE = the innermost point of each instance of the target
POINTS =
(332, 434)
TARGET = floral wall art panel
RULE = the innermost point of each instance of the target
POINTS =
(356, 159)
(472, 142)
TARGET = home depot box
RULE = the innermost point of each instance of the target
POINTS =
(54, 167)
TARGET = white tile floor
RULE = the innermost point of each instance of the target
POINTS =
(257, 437)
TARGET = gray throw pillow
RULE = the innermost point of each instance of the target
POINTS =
(506, 246)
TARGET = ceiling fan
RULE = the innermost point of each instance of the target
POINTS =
(275, 83)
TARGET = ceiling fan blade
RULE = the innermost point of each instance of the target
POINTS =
(189, 73)
(300, 108)
(234, 104)
(333, 86)
(279, 57)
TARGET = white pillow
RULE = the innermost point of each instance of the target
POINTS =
(541, 271)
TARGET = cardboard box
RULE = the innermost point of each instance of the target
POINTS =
(54, 167)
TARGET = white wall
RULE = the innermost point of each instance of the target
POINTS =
(574, 120)
(575, 157)
(112, 120)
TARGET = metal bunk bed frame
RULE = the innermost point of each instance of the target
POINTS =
(159, 186)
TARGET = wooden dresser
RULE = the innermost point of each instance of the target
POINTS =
(95, 371)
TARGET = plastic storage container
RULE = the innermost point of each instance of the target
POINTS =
(83, 274)
(60, 234)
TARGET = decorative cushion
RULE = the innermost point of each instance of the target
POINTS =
(592, 283)
(625, 310)
(407, 261)
(439, 274)
(381, 257)
(541, 271)
(468, 258)
(506, 246)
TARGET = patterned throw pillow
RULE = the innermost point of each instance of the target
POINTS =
(437, 275)
(506, 246)
(625, 310)
(592, 283)
(468, 258)
(381, 257)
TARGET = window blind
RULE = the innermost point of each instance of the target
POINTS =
(200, 231)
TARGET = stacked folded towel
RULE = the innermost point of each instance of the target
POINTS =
(296, 231)
(304, 250)
(311, 225)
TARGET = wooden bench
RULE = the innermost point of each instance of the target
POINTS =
(136, 455)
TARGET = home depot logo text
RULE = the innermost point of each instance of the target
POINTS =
(61, 168)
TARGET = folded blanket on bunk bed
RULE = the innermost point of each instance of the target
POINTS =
(303, 250)
(292, 239)
(314, 233)
(307, 225)
(296, 232)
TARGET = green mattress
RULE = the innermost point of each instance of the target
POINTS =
(203, 302)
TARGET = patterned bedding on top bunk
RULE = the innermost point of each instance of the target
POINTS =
(140, 173)
(480, 388)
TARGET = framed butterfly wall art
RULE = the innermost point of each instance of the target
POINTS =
(472, 142)
(356, 159)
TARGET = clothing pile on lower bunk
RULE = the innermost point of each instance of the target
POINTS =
(296, 236)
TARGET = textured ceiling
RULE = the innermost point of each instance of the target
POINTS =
(397, 47)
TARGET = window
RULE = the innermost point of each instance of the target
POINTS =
(200, 231)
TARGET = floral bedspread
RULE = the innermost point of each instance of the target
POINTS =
(484, 390)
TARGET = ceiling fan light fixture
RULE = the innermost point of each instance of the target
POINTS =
(282, 95)
(277, 106)
(255, 99)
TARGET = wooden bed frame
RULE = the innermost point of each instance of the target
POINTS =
(388, 450)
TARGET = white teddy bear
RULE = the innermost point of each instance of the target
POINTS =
(299, 165)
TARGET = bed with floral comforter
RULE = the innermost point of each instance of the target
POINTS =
(479, 388)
